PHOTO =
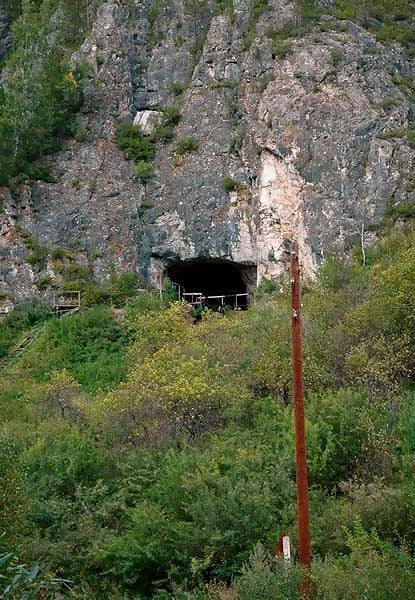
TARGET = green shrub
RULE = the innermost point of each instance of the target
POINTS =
(361, 574)
(267, 286)
(135, 146)
(410, 137)
(44, 282)
(143, 171)
(59, 253)
(281, 48)
(177, 88)
(337, 441)
(154, 10)
(230, 185)
(92, 294)
(171, 116)
(145, 205)
(394, 133)
(38, 253)
(389, 103)
(74, 272)
(225, 7)
(144, 302)
(406, 210)
(164, 134)
(281, 43)
(92, 187)
(337, 56)
(264, 578)
(407, 134)
(59, 460)
(334, 273)
(199, 42)
(142, 555)
(90, 345)
(12, 496)
(123, 286)
(19, 581)
(185, 145)
(37, 257)
(20, 320)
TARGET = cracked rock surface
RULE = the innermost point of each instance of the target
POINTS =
(301, 136)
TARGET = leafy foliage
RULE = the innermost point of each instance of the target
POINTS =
(159, 453)
(258, 8)
(135, 146)
(17, 323)
(142, 149)
(41, 93)
(185, 145)
(18, 581)
(230, 185)
(90, 345)
(144, 171)
(263, 577)
(12, 498)
(388, 20)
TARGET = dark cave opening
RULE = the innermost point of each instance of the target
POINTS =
(213, 283)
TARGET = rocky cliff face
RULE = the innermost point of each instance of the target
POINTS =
(301, 136)
(5, 39)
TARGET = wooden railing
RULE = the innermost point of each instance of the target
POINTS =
(200, 299)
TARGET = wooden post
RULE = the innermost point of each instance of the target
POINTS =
(300, 442)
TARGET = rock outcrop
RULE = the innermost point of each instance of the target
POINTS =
(300, 135)
(5, 37)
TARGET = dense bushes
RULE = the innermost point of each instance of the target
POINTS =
(135, 146)
(162, 482)
(91, 346)
(12, 498)
(116, 291)
(20, 581)
(141, 149)
(40, 94)
(372, 569)
(388, 20)
(21, 320)
(185, 145)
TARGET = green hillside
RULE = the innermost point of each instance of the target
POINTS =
(147, 452)
(144, 456)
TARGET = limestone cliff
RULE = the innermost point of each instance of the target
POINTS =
(301, 133)
(5, 38)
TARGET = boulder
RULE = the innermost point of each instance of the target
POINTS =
(147, 121)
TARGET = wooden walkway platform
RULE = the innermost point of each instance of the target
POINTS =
(66, 302)
(197, 299)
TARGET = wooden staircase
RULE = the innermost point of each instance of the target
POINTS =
(20, 348)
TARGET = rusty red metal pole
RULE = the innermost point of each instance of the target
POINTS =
(300, 442)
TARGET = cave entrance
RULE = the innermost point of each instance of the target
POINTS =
(212, 283)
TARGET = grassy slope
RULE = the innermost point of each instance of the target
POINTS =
(168, 476)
